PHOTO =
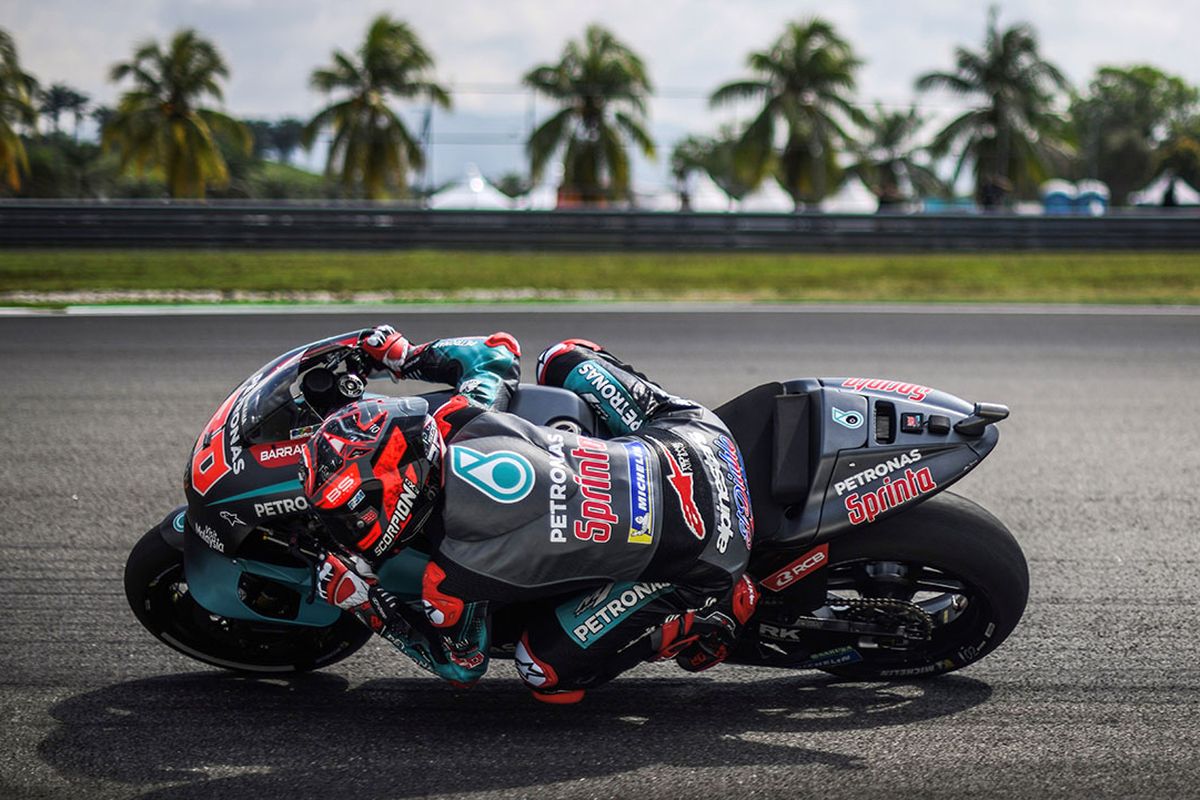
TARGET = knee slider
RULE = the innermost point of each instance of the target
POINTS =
(535, 673)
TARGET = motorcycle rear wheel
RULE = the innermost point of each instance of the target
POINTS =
(156, 588)
(947, 549)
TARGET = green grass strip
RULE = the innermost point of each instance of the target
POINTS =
(1111, 277)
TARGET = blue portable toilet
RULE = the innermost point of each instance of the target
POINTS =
(1058, 197)
(1091, 198)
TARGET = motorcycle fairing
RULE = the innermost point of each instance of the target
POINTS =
(216, 582)
(814, 445)
(242, 470)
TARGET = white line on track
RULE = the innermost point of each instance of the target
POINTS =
(611, 308)
(154, 310)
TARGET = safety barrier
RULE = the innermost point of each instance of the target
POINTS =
(365, 226)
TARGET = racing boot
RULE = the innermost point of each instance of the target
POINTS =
(704, 638)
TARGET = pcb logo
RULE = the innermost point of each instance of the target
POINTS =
(504, 476)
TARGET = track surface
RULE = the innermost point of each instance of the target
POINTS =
(1096, 694)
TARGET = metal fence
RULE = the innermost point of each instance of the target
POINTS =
(363, 226)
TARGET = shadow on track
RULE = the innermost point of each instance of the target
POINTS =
(206, 734)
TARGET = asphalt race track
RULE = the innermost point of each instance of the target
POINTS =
(1097, 693)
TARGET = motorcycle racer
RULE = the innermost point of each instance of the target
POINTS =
(627, 549)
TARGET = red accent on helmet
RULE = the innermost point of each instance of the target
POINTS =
(450, 606)
(505, 340)
(589, 344)
(372, 536)
(365, 473)
(745, 598)
(339, 488)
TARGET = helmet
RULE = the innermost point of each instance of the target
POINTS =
(367, 473)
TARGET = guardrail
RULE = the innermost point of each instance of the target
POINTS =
(364, 226)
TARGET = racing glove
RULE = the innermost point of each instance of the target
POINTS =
(349, 584)
(389, 348)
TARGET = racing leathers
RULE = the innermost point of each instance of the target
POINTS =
(623, 548)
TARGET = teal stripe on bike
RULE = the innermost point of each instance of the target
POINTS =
(291, 487)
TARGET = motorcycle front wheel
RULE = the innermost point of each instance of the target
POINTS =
(157, 591)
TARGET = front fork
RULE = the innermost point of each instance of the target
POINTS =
(225, 585)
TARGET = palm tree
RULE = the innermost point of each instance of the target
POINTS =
(159, 124)
(285, 136)
(77, 105)
(101, 115)
(804, 81)
(689, 155)
(888, 162)
(60, 98)
(602, 87)
(372, 150)
(17, 89)
(1012, 137)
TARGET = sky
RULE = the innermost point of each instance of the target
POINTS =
(482, 48)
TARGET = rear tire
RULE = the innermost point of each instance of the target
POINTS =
(157, 592)
(951, 535)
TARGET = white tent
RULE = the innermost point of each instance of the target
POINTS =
(705, 195)
(472, 193)
(544, 196)
(769, 197)
(656, 200)
(1156, 192)
(852, 198)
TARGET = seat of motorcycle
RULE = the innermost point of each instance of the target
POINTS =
(750, 417)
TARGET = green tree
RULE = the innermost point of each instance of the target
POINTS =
(372, 150)
(1011, 136)
(805, 82)
(160, 123)
(59, 99)
(101, 115)
(1124, 118)
(260, 137)
(888, 161)
(17, 89)
(723, 159)
(1180, 153)
(601, 86)
(285, 136)
(690, 155)
(513, 185)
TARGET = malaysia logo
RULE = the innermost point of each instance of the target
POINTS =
(504, 476)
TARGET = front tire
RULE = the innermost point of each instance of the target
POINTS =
(947, 544)
(158, 595)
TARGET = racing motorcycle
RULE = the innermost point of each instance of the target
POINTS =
(868, 568)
